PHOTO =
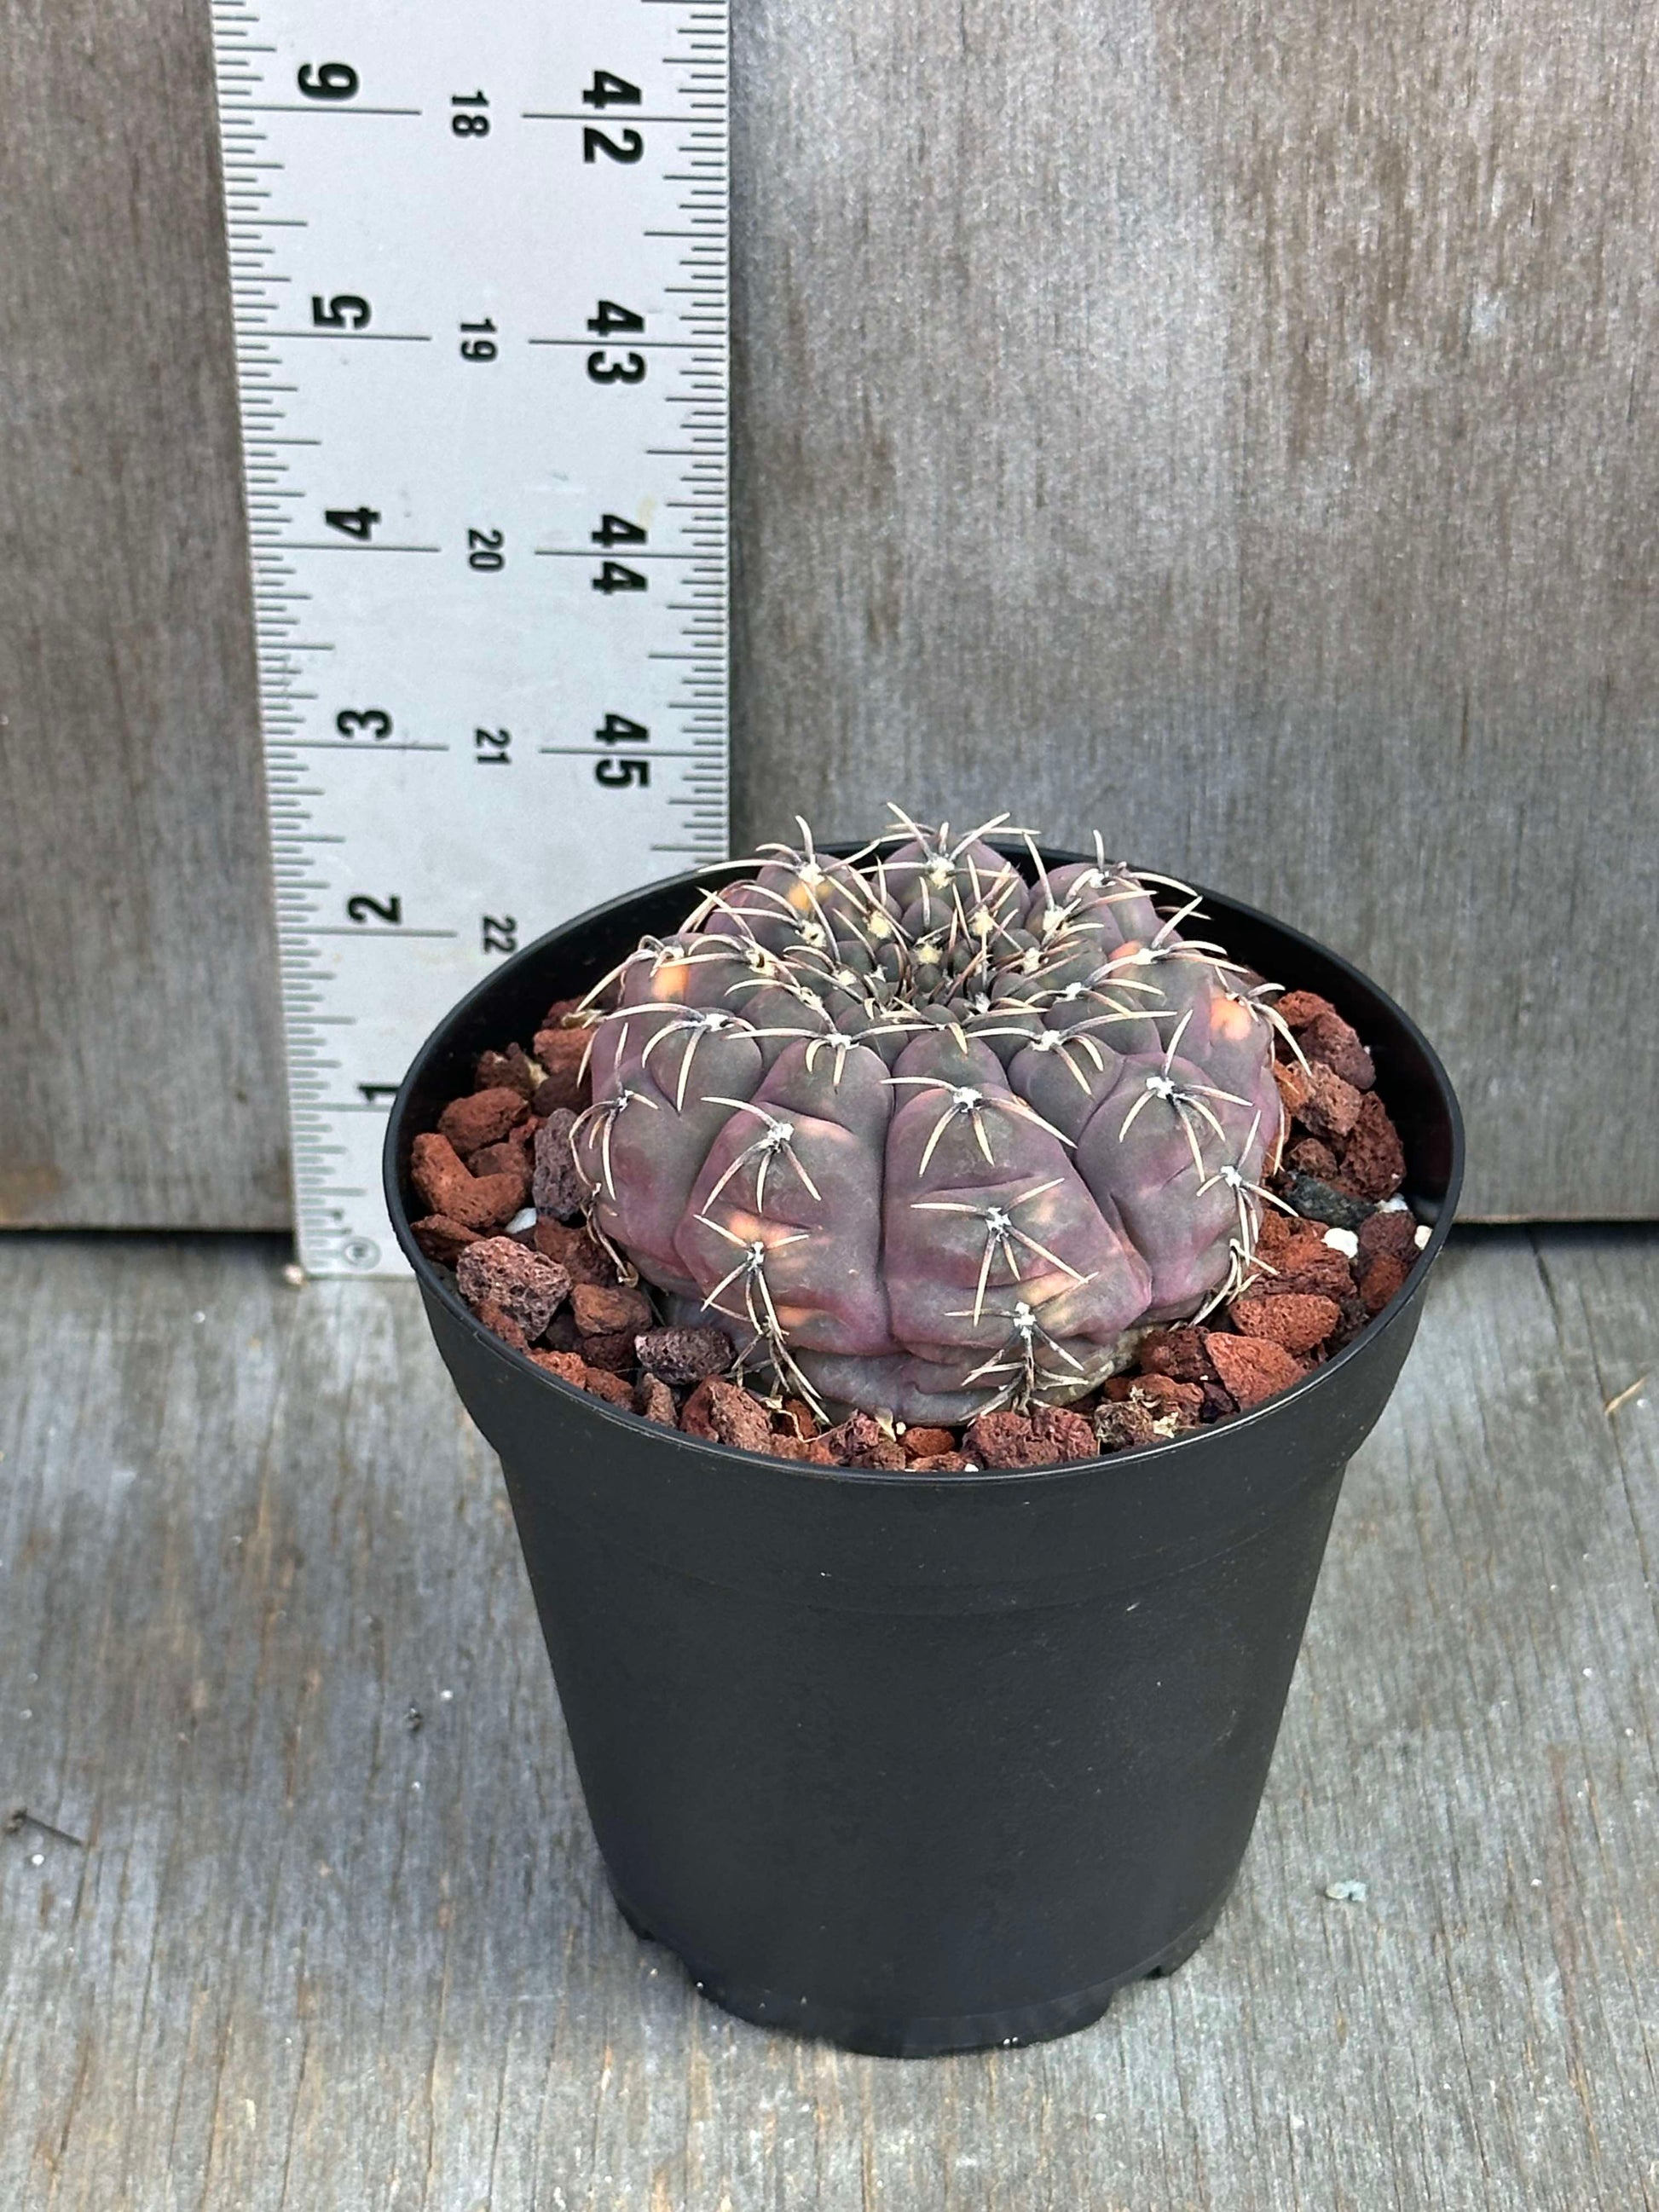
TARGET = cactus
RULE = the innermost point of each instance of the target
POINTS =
(928, 1135)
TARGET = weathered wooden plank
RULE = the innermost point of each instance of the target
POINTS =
(313, 1955)
(138, 1032)
(1234, 431)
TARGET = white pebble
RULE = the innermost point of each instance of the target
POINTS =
(1347, 1892)
(1423, 1233)
(523, 1219)
(1343, 1240)
(293, 1275)
(1395, 1205)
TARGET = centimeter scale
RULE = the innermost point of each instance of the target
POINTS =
(478, 261)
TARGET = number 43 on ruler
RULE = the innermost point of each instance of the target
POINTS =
(479, 273)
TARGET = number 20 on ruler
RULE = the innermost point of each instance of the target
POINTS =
(486, 553)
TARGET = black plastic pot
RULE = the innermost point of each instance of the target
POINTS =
(920, 1763)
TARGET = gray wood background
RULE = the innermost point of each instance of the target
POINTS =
(1233, 427)
(311, 1960)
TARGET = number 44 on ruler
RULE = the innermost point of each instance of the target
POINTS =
(478, 260)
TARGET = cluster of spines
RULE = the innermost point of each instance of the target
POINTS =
(932, 938)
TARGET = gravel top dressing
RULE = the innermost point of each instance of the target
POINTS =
(993, 1040)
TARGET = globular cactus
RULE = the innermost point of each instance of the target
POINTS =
(929, 1134)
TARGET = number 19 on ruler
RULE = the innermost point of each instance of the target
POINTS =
(479, 273)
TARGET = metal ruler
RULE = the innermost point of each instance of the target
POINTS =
(479, 258)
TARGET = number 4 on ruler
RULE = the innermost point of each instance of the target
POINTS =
(481, 322)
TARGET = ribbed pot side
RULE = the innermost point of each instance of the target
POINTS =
(922, 1763)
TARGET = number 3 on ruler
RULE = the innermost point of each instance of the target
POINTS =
(341, 207)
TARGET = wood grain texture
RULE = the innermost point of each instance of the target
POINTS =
(1234, 429)
(313, 1955)
(140, 1075)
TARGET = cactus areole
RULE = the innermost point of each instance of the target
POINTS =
(928, 1132)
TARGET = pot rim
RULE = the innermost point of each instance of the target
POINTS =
(435, 1284)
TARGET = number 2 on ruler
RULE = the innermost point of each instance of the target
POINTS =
(479, 270)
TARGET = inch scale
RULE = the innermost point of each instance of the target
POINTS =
(478, 263)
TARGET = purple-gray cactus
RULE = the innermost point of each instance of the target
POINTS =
(927, 1133)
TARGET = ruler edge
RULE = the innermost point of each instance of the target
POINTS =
(247, 12)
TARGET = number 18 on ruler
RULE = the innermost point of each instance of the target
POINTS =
(478, 256)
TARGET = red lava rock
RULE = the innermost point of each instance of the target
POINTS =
(500, 1322)
(482, 1119)
(927, 1443)
(1393, 1232)
(725, 1412)
(1274, 1231)
(1306, 1265)
(684, 1355)
(796, 1419)
(1331, 1279)
(860, 1441)
(1184, 1400)
(1373, 1159)
(566, 1365)
(1066, 1435)
(440, 1239)
(508, 1155)
(511, 1070)
(1382, 1277)
(1299, 1321)
(1308, 1249)
(1332, 1107)
(1005, 1439)
(582, 1259)
(601, 1309)
(435, 1168)
(1335, 1044)
(497, 1271)
(492, 1201)
(610, 1349)
(1299, 1010)
(603, 1384)
(1294, 1087)
(511, 1138)
(561, 1054)
(506, 1158)
(559, 1187)
(1252, 1368)
(478, 1203)
(1312, 1156)
(655, 1400)
(1178, 1352)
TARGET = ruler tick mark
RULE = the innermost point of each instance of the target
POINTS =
(403, 424)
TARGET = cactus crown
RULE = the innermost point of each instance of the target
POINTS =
(928, 1133)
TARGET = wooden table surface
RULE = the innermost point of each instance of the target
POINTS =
(336, 1935)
